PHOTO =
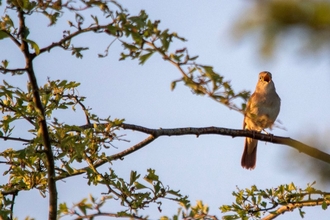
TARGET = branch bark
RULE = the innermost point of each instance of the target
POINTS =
(291, 206)
(155, 133)
(69, 37)
(13, 71)
(301, 147)
(43, 130)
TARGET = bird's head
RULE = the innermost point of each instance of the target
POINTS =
(265, 77)
(265, 82)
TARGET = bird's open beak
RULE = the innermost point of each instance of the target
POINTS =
(267, 78)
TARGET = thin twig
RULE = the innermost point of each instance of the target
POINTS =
(12, 206)
(110, 158)
(15, 111)
(12, 37)
(5, 70)
(70, 36)
(92, 216)
(15, 139)
(81, 104)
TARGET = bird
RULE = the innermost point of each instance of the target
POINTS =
(261, 112)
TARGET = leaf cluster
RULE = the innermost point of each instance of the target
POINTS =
(276, 20)
(255, 203)
(133, 195)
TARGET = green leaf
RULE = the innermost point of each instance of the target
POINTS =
(34, 45)
(151, 176)
(112, 30)
(173, 85)
(3, 35)
(68, 168)
(173, 192)
(133, 177)
(324, 205)
(144, 57)
(263, 204)
(5, 63)
(63, 208)
(139, 185)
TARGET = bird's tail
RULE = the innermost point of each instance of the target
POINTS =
(249, 157)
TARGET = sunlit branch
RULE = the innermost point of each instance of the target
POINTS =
(291, 206)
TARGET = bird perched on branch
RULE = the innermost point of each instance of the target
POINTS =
(260, 113)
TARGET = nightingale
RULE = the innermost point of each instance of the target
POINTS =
(261, 112)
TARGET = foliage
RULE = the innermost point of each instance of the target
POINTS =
(53, 150)
(255, 203)
(276, 20)
(133, 195)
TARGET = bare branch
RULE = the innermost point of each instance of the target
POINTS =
(70, 36)
(12, 206)
(91, 216)
(130, 150)
(301, 147)
(155, 133)
(5, 138)
(13, 71)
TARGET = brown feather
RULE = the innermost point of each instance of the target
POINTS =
(249, 157)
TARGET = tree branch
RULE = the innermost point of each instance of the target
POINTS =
(70, 36)
(12, 206)
(5, 70)
(5, 138)
(12, 37)
(110, 158)
(301, 147)
(29, 119)
(76, 99)
(91, 216)
(43, 130)
(291, 206)
(155, 133)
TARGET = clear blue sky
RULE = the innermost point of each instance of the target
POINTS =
(205, 168)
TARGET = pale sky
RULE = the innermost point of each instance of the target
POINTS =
(205, 168)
